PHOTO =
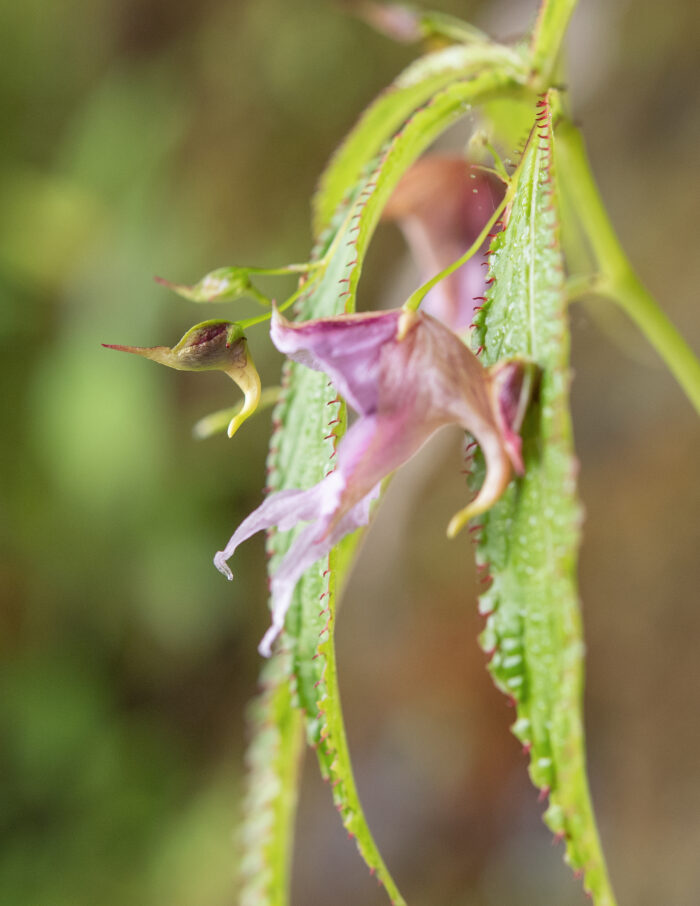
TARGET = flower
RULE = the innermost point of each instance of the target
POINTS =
(441, 205)
(210, 346)
(401, 23)
(407, 375)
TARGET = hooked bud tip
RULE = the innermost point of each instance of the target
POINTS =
(245, 374)
(457, 523)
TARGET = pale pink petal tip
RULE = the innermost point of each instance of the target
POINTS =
(221, 564)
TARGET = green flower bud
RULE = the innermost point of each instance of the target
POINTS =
(210, 346)
(225, 283)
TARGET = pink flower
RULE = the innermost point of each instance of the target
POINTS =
(441, 205)
(407, 375)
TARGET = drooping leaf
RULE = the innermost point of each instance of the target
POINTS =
(416, 85)
(416, 135)
(527, 544)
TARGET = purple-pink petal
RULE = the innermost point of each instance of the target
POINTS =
(408, 376)
(306, 549)
(285, 509)
(348, 348)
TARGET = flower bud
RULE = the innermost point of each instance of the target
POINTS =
(223, 284)
(441, 205)
(210, 346)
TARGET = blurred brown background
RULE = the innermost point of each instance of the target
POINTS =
(147, 137)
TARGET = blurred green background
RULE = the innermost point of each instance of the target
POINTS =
(146, 137)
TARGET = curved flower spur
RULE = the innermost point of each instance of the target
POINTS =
(406, 375)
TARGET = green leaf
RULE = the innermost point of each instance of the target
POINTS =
(299, 456)
(416, 85)
(528, 542)
(310, 419)
(416, 136)
(266, 831)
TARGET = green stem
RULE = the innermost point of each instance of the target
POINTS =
(299, 291)
(547, 37)
(581, 285)
(286, 269)
(414, 300)
(259, 297)
(499, 166)
(315, 269)
(617, 279)
(251, 322)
